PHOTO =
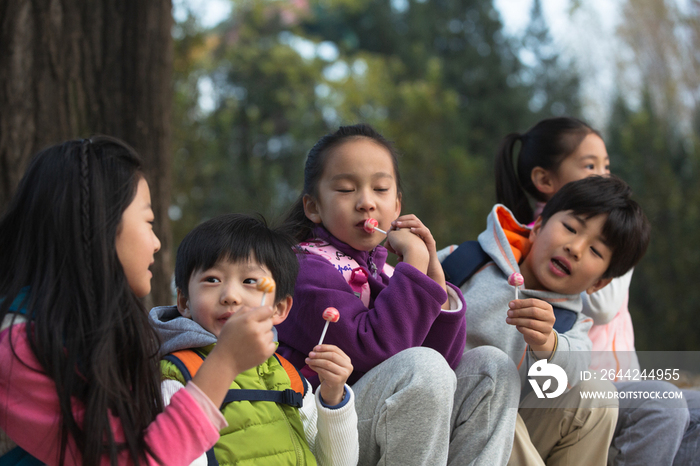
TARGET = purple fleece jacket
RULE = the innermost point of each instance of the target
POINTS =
(404, 311)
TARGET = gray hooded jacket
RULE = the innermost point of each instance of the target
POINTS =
(488, 293)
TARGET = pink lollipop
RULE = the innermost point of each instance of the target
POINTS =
(331, 314)
(516, 280)
(266, 285)
(371, 225)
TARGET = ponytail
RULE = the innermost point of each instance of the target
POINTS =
(296, 223)
(509, 191)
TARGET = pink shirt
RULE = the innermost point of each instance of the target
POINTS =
(29, 413)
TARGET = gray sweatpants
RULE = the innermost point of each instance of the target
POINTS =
(414, 410)
(648, 431)
(689, 452)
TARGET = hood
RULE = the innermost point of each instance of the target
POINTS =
(177, 332)
(505, 240)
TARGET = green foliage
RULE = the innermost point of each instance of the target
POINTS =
(463, 39)
(555, 85)
(446, 85)
(247, 154)
(661, 165)
(438, 77)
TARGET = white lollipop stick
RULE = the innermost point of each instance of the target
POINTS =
(331, 314)
(371, 225)
(323, 334)
(516, 280)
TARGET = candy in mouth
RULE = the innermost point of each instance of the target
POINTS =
(371, 225)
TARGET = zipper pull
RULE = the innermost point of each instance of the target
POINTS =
(372, 266)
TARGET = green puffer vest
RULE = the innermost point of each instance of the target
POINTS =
(258, 432)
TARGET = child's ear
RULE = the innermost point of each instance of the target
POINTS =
(543, 181)
(536, 229)
(282, 310)
(311, 209)
(600, 283)
(398, 204)
(183, 304)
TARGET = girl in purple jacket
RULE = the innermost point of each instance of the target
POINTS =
(419, 399)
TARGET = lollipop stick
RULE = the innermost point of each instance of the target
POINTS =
(371, 225)
(323, 334)
(516, 292)
(262, 302)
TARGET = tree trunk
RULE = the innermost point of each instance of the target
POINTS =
(73, 68)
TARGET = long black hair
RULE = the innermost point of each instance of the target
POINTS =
(544, 145)
(296, 223)
(89, 331)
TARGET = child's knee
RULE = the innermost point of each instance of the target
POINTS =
(426, 370)
(491, 362)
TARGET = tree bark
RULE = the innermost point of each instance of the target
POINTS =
(73, 68)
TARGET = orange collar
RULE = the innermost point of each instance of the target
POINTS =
(518, 236)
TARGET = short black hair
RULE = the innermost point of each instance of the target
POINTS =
(238, 237)
(626, 230)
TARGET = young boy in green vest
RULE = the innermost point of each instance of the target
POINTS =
(272, 416)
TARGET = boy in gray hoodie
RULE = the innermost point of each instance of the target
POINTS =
(589, 232)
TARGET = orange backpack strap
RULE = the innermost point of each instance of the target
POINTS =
(295, 376)
(187, 362)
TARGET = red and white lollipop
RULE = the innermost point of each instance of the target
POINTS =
(371, 225)
(331, 314)
(516, 280)
(266, 285)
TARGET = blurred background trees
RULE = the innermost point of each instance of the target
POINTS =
(654, 142)
(439, 78)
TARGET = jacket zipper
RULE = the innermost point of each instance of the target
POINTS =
(297, 448)
(372, 266)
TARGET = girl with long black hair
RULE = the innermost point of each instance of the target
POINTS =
(79, 363)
